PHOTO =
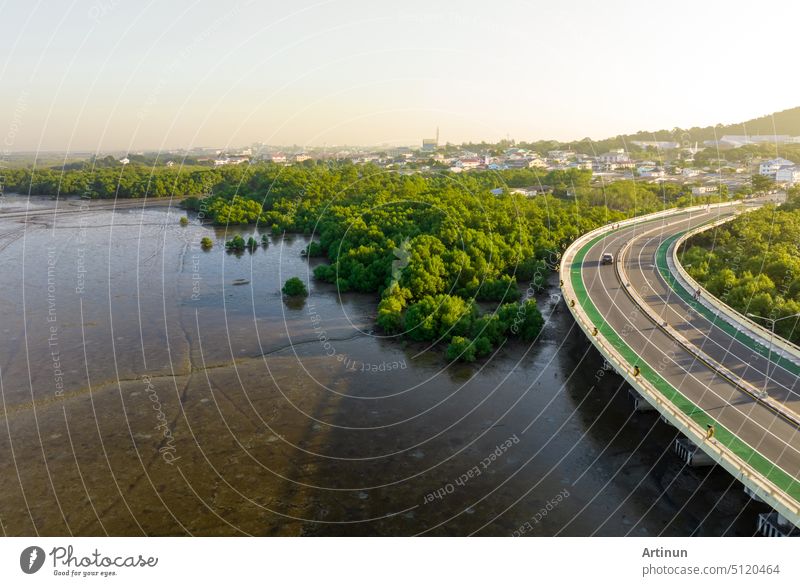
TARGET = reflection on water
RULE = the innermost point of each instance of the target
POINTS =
(152, 387)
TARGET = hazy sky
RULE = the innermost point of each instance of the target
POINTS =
(114, 75)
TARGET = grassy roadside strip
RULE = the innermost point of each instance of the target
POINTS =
(778, 477)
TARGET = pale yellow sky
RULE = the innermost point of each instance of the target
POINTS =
(112, 75)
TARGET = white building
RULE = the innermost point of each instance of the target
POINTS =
(230, 161)
(528, 191)
(651, 172)
(789, 175)
(615, 159)
(615, 156)
(469, 163)
(704, 189)
(560, 156)
(771, 167)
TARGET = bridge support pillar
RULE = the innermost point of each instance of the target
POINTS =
(776, 525)
(691, 454)
(753, 495)
(639, 403)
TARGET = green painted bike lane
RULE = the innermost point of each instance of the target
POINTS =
(781, 479)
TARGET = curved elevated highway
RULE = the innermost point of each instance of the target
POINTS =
(696, 362)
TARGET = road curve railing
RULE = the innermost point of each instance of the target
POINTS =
(754, 392)
(763, 480)
(756, 331)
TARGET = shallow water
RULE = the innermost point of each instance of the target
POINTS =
(145, 392)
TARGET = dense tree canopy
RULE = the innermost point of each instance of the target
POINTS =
(753, 263)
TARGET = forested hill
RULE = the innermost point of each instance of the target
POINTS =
(785, 122)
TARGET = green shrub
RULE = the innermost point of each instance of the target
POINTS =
(295, 287)
(236, 243)
(462, 349)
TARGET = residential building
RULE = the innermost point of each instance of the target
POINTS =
(788, 174)
(560, 156)
(651, 172)
(469, 163)
(615, 159)
(770, 168)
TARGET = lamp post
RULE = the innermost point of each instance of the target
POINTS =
(772, 321)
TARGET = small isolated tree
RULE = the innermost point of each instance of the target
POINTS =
(252, 244)
(264, 240)
(295, 287)
(236, 243)
(206, 243)
(184, 221)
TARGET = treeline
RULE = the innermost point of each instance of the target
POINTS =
(105, 181)
(753, 263)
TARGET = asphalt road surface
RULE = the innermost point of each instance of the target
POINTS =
(758, 425)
